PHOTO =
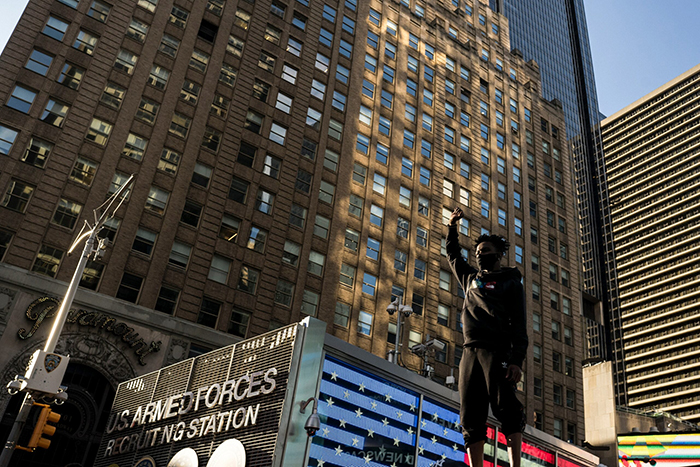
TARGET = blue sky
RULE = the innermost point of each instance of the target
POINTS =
(637, 45)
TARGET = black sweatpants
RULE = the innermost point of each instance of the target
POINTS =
(482, 381)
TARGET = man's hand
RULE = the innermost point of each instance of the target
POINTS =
(513, 374)
(457, 214)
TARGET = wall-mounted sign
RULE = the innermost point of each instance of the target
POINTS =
(232, 394)
(46, 307)
(659, 449)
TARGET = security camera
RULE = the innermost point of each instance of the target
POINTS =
(313, 424)
(393, 306)
(435, 345)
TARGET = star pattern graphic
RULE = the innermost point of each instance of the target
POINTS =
(358, 412)
(342, 423)
(412, 407)
(367, 459)
(362, 387)
(444, 432)
(338, 450)
(387, 397)
(410, 430)
(433, 439)
(330, 401)
(385, 421)
(325, 432)
(435, 417)
(346, 394)
(370, 433)
(334, 376)
(455, 447)
(396, 441)
(355, 440)
(320, 463)
(373, 404)
(399, 415)
(421, 449)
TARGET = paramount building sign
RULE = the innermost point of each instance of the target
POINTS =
(236, 392)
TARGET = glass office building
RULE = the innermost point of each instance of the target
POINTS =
(555, 35)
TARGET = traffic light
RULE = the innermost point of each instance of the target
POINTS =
(42, 429)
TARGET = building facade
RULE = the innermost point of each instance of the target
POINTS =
(292, 159)
(554, 33)
(651, 150)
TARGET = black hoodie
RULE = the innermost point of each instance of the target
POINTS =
(493, 314)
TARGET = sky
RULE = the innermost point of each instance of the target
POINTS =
(637, 45)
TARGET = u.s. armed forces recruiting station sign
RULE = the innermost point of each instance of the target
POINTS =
(189, 409)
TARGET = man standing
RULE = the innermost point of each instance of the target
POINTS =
(495, 343)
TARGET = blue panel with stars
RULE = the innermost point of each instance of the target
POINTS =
(365, 420)
(440, 435)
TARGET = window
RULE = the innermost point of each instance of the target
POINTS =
(167, 300)
(369, 284)
(47, 261)
(348, 25)
(238, 326)
(130, 287)
(410, 113)
(157, 200)
(326, 192)
(568, 336)
(147, 111)
(412, 63)
(37, 151)
(390, 50)
(342, 73)
(256, 239)
(313, 118)
(180, 254)
(190, 92)
(134, 147)
(242, 19)
(168, 46)
(7, 139)
(191, 213)
(309, 303)
(21, 99)
(339, 100)
(364, 323)
(178, 17)
(485, 208)
(355, 206)
(267, 62)
(424, 176)
(55, 28)
(342, 314)
(219, 106)
(379, 185)
(423, 205)
(443, 315)
(445, 280)
(248, 279)
(169, 161)
(126, 61)
(284, 292)
(83, 171)
(326, 37)
(303, 182)
(229, 228)
(501, 189)
(352, 239)
(39, 62)
(502, 219)
(566, 281)
(569, 366)
(66, 214)
(376, 216)
(448, 188)
(289, 74)
(316, 263)
(563, 251)
(294, 46)
(278, 133)
(158, 77)
(137, 30)
(402, 228)
(485, 182)
(234, 46)
(201, 175)
(99, 131)
(322, 62)
(373, 248)
(362, 143)
(264, 201)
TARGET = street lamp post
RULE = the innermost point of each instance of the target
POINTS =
(404, 312)
(46, 368)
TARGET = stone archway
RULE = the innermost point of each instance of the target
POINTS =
(88, 349)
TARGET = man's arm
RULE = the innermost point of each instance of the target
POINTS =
(460, 267)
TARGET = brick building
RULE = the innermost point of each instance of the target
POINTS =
(291, 159)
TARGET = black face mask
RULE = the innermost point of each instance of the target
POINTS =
(487, 262)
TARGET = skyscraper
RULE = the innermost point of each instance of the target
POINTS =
(292, 158)
(652, 150)
(555, 35)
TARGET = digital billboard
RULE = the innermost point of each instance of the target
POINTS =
(659, 450)
(230, 399)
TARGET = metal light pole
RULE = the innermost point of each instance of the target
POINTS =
(404, 312)
(46, 368)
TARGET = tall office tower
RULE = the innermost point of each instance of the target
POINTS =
(292, 158)
(652, 149)
(555, 35)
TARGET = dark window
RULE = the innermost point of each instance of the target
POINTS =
(246, 154)
(129, 287)
(208, 30)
